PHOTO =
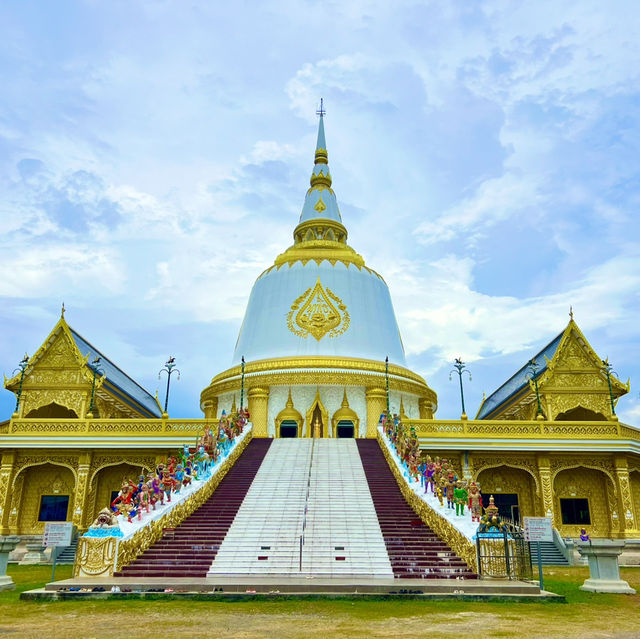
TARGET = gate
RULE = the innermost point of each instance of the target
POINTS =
(504, 553)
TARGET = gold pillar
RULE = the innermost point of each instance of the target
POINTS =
(258, 410)
(80, 506)
(210, 408)
(425, 406)
(626, 519)
(546, 487)
(6, 477)
(376, 405)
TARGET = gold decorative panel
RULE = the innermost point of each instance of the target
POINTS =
(46, 479)
(583, 483)
(316, 312)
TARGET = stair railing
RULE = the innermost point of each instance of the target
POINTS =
(306, 503)
(565, 549)
(102, 556)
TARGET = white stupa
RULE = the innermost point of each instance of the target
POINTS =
(317, 330)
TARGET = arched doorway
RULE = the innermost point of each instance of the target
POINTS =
(580, 496)
(288, 428)
(317, 423)
(47, 495)
(513, 490)
(345, 420)
(52, 411)
(317, 418)
(289, 420)
(107, 483)
(345, 429)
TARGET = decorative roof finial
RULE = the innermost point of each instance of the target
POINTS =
(571, 313)
(289, 399)
(62, 310)
(321, 146)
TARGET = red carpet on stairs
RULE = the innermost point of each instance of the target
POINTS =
(189, 550)
(414, 549)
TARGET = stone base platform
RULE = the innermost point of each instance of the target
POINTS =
(274, 587)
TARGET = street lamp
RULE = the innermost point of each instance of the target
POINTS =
(169, 367)
(532, 368)
(460, 368)
(95, 367)
(608, 369)
(22, 367)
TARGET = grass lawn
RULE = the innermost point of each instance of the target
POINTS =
(586, 615)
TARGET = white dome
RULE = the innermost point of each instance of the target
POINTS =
(320, 309)
(319, 298)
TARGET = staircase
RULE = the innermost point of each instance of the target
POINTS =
(413, 548)
(265, 534)
(189, 550)
(68, 554)
(550, 554)
(308, 513)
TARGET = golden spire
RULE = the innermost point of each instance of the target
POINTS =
(402, 414)
(322, 157)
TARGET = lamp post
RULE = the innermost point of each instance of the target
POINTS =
(169, 368)
(532, 368)
(242, 383)
(608, 369)
(386, 377)
(460, 368)
(22, 367)
(95, 367)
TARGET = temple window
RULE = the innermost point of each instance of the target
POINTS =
(575, 512)
(53, 508)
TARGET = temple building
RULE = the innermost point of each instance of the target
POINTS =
(319, 355)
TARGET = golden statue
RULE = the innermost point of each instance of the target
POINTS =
(317, 428)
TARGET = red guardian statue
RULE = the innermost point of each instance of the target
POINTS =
(475, 501)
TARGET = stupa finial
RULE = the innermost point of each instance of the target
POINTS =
(321, 145)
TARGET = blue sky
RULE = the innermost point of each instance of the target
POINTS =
(486, 156)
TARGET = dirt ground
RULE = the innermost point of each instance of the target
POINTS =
(585, 615)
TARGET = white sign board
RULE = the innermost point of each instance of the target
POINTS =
(538, 529)
(57, 533)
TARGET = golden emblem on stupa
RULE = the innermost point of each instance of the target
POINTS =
(316, 312)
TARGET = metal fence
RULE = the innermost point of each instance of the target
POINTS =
(504, 554)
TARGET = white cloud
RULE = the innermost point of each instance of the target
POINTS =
(451, 128)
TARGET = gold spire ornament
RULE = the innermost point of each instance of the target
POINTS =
(316, 312)
(320, 205)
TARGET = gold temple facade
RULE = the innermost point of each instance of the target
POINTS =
(318, 326)
(577, 449)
